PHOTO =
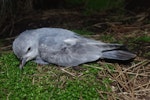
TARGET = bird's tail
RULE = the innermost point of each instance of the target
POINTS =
(118, 55)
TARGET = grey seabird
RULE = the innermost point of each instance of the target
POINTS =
(64, 48)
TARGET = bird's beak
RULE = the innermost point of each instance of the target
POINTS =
(22, 63)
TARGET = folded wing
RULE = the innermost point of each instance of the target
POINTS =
(78, 50)
(70, 52)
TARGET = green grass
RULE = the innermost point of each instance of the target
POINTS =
(142, 39)
(108, 38)
(83, 32)
(37, 82)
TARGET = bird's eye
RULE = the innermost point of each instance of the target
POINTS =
(28, 49)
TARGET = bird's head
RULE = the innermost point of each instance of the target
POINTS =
(25, 48)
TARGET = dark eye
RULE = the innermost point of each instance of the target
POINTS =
(28, 49)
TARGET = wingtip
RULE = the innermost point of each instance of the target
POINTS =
(119, 55)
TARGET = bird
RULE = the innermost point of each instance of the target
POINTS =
(64, 48)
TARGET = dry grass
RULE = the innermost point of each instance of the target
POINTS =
(129, 83)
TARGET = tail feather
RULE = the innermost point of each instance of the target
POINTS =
(118, 55)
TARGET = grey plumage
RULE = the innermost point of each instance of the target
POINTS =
(63, 47)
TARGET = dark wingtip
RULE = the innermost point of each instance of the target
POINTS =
(125, 62)
(119, 55)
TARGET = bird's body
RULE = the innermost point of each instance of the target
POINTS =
(63, 47)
